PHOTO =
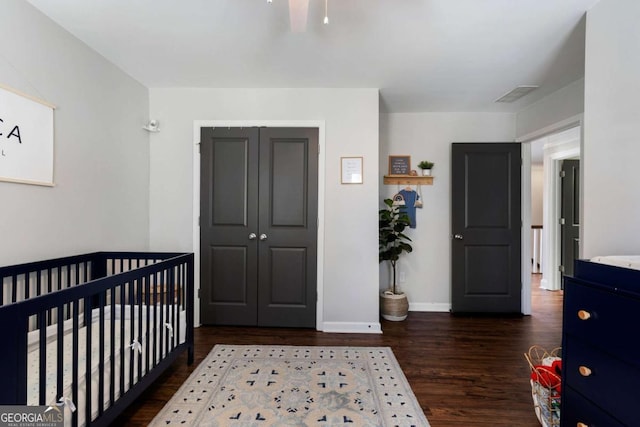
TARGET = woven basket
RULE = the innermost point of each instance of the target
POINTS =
(394, 306)
(546, 399)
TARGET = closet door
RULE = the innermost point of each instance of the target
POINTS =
(228, 226)
(288, 219)
(259, 192)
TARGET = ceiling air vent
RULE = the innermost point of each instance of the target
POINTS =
(517, 93)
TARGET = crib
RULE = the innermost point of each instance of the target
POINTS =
(87, 334)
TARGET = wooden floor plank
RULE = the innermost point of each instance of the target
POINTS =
(464, 371)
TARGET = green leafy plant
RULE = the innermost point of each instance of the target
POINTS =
(425, 164)
(391, 240)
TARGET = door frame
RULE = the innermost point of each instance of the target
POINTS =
(551, 199)
(555, 153)
(320, 125)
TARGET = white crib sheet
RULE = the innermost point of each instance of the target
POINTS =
(33, 362)
(626, 261)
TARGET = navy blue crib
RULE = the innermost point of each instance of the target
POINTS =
(94, 330)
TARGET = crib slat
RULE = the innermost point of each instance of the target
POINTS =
(60, 355)
(132, 328)
(27, 284)
(42, 340)
(140, 284)
(112, 339)
(14, 288)
(101, 360)
(74, 356)
(154, 296)
(39, 282)
(161, 309)
(122, 323)
(146, 282)
(171, 303)
(87, 380)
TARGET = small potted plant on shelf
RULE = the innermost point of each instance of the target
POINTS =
(426, 167)
(391, 244)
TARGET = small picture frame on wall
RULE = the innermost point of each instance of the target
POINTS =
(399, 165)
(351, 170)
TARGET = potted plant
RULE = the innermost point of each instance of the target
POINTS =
(426, 167)
(391, 244)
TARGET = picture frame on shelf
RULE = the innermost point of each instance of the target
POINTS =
(399, 165)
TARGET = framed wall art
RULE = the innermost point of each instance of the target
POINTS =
(26, 138)
(351, 170)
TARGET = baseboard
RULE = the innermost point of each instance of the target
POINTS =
(429, 306)
(352, 327)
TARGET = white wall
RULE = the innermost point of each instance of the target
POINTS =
(428, 136)
(101, 169)
(537, 192)
(350, 270)
(612, 129)
(562, 105)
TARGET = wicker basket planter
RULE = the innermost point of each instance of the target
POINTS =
(394, 307)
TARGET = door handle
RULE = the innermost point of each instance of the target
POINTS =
(457, 236)
(252, 236)
(263, 237)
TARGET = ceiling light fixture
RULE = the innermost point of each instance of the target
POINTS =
(298, 10)
(326, 12)
(517, 93)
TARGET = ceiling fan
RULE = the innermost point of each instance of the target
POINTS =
(298, 13)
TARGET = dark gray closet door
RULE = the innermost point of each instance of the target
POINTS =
(259, 191)
(228, 217)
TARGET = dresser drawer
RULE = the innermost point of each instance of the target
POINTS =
(576, 409)
(601, 378)
(608, 317)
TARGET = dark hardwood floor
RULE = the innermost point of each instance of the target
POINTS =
(464, 371)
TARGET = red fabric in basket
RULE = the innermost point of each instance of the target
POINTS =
(549, 376)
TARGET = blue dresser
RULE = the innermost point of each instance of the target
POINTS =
(601, 347)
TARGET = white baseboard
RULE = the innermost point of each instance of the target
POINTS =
(352, 327)
(429, 306)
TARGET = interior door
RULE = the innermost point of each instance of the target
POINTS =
(570, 215)
(259, 191)
(288, 221)
(229, 159)
(486, 228)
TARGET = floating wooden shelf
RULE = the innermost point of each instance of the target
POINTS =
(408, 180)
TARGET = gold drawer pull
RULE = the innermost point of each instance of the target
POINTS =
(584, 371)
(581, 425)
(584, 315)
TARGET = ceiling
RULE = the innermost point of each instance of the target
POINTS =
(423, 55)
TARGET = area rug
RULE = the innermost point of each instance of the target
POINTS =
(295, 386)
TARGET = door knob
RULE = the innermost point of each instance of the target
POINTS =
(252, 236)
(263, 236)
(457, 236)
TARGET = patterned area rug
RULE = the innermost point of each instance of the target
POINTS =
(295, 386)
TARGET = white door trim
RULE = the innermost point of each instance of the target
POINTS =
(320, 124)
(554, 153)
(525, 299)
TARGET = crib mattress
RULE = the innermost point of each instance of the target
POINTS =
(33, 362)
